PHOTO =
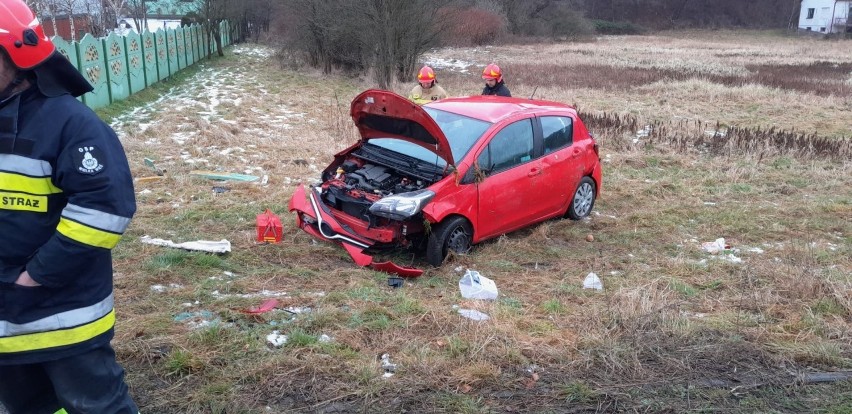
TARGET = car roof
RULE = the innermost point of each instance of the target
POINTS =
(495, 108)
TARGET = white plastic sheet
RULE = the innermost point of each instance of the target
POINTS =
(221, 246)
(592, 281)
(475, 286)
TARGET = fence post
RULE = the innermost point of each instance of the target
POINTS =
(93, 68)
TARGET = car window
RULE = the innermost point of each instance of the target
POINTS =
(461, 132)
(512, 146)
(557, 132)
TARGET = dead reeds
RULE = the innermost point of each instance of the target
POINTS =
(623, 131)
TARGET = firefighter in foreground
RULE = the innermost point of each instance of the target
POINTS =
(66, 197)
(494, 84)
(427, 88)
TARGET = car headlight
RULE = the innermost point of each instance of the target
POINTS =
(402, 206)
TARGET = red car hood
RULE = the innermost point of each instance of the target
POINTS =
(383, 114)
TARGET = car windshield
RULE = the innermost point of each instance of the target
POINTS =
(461, 132)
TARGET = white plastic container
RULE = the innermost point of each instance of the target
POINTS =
(475, 286)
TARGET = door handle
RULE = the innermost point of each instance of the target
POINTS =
(534, 172)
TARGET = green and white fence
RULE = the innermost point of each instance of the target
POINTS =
(119, 66)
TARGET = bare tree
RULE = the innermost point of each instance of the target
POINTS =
(213, 13)
(113, 10)
(68, 7)
(138, 10)
(98, 21)
(45, 9)
(388, 36)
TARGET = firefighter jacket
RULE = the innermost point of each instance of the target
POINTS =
(66, 197)
(422, 96)
(499, 89)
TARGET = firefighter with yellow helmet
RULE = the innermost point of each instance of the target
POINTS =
(427, 88)
(66, 197)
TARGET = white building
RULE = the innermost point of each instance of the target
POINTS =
(826, 16)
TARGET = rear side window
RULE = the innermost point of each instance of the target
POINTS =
(557, 132)
(512, 146)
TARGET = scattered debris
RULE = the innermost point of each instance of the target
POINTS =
(261, 294)
(296, 310)
(324, 339)
(590, 237)
(475, 286)
(264, 307)
(730, 258)
(264, 180)
(219, 176)
(149, 179)
(200, 319)
(150, 164)
(276, 339)
(161, 288)
(220, 190)
(269, 229)
(221, 246)
(388, 366)
(395, 282)
(715, 247)
(643, 133)
(474, 314)
(592, 281)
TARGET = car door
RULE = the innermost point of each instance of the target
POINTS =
(508, 187)
(562, 162)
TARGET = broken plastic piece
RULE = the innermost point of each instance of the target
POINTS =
(264, 307)
(213, 175)
(474, 314)
(150, 164)
(716, 246)
(276, 340)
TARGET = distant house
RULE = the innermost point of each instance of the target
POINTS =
(166, 14)
(826, 16)
(82, 25)
(57, 21)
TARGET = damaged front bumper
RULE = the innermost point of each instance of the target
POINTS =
(314, 217)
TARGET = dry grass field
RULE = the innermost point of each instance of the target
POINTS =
(704, 135)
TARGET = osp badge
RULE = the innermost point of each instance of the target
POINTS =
(88, 160)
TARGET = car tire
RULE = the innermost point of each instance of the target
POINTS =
(583, 200)
(453, 234)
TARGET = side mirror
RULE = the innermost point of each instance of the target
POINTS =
(475, 174)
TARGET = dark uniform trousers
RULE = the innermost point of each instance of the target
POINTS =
(88, 383)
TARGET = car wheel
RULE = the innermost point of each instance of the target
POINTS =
(453, 234)
(583, 200)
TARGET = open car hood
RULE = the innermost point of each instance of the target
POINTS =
(383, 114)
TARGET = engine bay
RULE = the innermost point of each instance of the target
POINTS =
(356, 184)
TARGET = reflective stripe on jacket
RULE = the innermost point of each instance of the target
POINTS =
(66, 197)
(422, 96)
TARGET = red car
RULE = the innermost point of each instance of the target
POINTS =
(450, 174)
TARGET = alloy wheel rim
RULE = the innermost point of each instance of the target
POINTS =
(583, 199)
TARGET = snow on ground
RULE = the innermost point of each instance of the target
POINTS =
(208, 95)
